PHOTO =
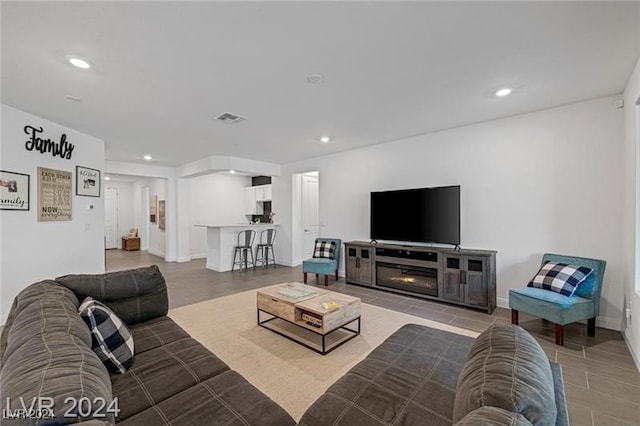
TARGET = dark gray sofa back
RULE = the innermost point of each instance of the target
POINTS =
(46, 353)
(135, 295)
(506, 368)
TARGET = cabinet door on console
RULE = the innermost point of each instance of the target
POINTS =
(452, 286)
(351, 266)
(476, 282)
(365, 266)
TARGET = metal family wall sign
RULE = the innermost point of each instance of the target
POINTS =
(62, 149)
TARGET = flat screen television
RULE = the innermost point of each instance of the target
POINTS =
(427, 215)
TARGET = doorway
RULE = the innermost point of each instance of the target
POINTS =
(306, 223)
(111, 218)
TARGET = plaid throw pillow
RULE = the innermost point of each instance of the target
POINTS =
(325, 249)
(111, 339)
(560, 277)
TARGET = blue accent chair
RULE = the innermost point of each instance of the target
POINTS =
(323, 266)
(560, 309)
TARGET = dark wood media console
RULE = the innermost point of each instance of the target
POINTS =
(462, 277)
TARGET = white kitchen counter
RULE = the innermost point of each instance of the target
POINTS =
(221, 239)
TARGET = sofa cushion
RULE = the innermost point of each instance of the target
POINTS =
(226, 399)
(47, 352)
(409, 377)
(493, 416)
(155, 333)
(507, 368)
(42, 308)
(162, 372)
(560, 277)
(134, 295)
(110, 339)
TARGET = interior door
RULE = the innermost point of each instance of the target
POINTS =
(310, 213)
(111, 218)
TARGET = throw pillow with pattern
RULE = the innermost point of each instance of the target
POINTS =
(111, 339)
(560, 277)
(324, 249)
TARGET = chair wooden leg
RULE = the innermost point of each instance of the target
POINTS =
(336, 275)
(514, 317)
(305, 277)
(559, 334)
(591, 327)
(326, 280)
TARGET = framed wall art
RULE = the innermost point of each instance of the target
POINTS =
(87, 182)
(14, 191)
(161, 214)
(153, 208)
(54, 195)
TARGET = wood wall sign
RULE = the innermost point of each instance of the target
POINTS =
(62, 149)
(54, 195)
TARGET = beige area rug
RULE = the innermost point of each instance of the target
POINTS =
(290, 374)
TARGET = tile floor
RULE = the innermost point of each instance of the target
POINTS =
(602, 382)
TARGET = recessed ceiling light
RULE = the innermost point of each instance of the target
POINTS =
(503, 92)
(233, 172)
(80, 63)
(315, 78)
(107, 178)
(325, 139)
(148, 157)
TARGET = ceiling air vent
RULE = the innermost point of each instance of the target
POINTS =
(229, 118)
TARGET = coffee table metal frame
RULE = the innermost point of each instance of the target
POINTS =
(324, 350)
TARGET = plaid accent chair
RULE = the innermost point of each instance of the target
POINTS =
(325, 260)
(550, 304)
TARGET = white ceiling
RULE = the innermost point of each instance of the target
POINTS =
(163, 70)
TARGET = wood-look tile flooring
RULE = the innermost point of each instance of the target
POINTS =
(602, 382)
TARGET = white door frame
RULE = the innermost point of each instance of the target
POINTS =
(144, 231)
(116, 233)
(297, 227)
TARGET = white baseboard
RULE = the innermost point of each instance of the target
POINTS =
(629, 341)
(199, 256)
(608, 323)
(156, 253)
(184, 259)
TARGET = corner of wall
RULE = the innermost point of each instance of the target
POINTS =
(632, 348)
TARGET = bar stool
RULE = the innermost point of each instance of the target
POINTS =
(244, 247)
(267, 237)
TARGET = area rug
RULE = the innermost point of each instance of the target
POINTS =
(290, 374)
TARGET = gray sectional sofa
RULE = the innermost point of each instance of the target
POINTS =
(45, 350)
(418, 376)
(424, 376)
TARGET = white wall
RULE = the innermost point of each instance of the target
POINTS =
(631, 188)
(216, 199)
(168, 175)
(125, 207)
(32, 250)
(156, 241)
(547, 181)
